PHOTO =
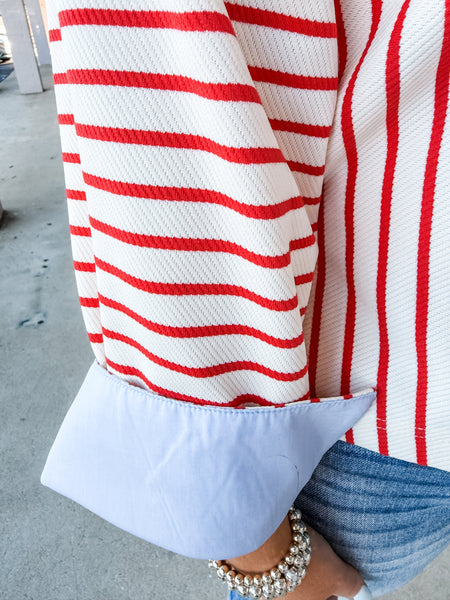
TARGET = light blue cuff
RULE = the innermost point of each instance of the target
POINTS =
(202, 481)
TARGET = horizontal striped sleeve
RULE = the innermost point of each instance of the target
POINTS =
(195, 143)
(210, 194)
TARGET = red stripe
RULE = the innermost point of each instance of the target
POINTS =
(305, 278)
(169, 139)
(318, 302)
(180, 194)
(275, 20)
(304, 168)
(304, 242)
(89, 302)
(95, 338)
(426, 218)
(204, 372)
(291, 80)
(301, 399)
(83, 231)
(241, 401)
(341, 38)
(54, 35)
(321, 131)
(66, 119)
(71, 157)
(348, 135)
(392, 122)
(59, 78)
(312, 201)
(197, 244)
(202, 331)
(235, 403)
(230, 92)
(84, 266)
(75, 194)
(197, 289)
(184, 21)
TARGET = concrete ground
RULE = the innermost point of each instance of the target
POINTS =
(50, 547)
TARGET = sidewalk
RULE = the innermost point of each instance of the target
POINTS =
(52, 548)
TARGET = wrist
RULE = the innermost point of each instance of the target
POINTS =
(267, 555)
(276, 568)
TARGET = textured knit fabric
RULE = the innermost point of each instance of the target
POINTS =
(196, 135)
(258, 202)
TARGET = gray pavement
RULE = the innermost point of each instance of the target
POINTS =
(50, 547)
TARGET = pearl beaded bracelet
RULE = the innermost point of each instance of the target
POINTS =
(283, 578)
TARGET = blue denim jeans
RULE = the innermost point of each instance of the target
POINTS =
(388, 518)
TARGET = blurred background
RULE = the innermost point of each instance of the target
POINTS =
(50, 547)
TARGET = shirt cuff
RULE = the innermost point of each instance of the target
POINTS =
(202, 481)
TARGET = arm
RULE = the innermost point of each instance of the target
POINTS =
(194, 251)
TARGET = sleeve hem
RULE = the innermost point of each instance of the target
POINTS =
(201, 481)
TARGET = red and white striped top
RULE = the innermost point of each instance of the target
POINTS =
(258, 198)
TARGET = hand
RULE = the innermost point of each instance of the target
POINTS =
(327, 576)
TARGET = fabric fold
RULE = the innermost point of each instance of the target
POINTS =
(202, 481)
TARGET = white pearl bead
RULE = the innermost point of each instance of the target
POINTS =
(222, 571)
(298, 561)
(296, 514)
(282, 567)
(280, 583)
(275, 574)
(230, 576)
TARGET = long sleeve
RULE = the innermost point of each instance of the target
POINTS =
(194, 138)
